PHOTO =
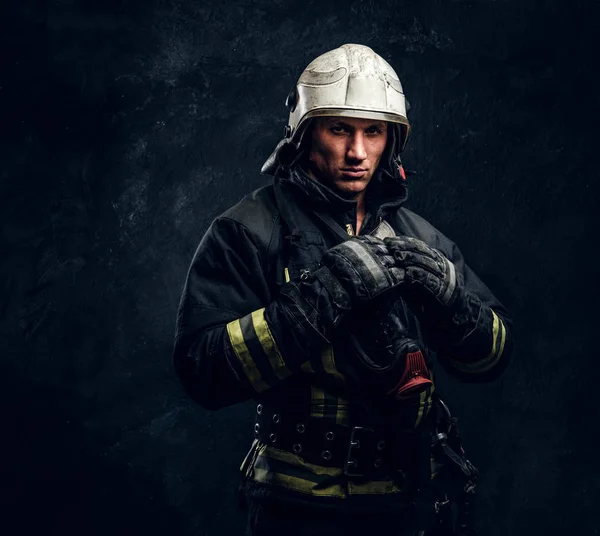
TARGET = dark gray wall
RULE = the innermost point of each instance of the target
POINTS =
(127, 126)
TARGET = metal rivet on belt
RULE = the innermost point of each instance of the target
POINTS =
(297, 448)
(273, 438)
(329, 436)
(256, 428)
(276, 418)
(326, 455)
(381, 445)
(300, 428)
(259, 409)
(378, 462)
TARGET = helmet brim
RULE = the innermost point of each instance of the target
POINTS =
(358, 114)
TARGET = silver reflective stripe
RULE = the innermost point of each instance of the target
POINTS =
(383, 230)
(370, 264)
(451, 284)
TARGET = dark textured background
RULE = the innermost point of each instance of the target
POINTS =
(128, 125)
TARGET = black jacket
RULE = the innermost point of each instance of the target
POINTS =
(229, 344)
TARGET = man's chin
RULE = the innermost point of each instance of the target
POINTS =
(349, 189)
(346, 194)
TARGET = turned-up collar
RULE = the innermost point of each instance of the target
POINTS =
(384, 193)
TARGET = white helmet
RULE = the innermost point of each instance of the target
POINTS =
(349, 81)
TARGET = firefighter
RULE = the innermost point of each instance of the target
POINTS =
(321, 297)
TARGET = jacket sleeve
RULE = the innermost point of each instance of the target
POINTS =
(231, 341)
(484, 352)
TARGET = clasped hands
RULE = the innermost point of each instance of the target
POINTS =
(368, 267)
(361, 269)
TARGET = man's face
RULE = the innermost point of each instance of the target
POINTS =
(345, 152)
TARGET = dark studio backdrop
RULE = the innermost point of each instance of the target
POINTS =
(128, 126)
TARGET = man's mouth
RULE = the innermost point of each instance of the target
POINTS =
(353, 173)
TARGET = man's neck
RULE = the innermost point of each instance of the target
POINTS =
(360, 211)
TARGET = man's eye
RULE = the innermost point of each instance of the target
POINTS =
(337, 129)
(374, 131)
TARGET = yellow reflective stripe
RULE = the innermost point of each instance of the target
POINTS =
(307, 367)
(341, 417)
(502, 341)
(297, 461)
(328, 359)
(495, 327)
(337, 488)
(421, 407)
(286, 273)
(493, 357)
(329, 362)
(317, 401)
(268, 343)
(238, 344)
(323, 405)
(298, 484)
(425, 403)
(246, 461)
(430, 399)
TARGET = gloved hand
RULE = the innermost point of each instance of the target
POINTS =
(363, 266)
(432, 285)
(351, 274)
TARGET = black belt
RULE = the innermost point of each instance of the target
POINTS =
(360, 450)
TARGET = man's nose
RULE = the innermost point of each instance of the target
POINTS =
(356, 148)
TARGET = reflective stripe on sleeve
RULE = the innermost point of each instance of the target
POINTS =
(267, 342)
(257, 351)
(243, 354)
(488, 362)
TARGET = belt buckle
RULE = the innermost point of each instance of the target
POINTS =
(350, 462)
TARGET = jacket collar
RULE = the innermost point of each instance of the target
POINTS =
(384, 193)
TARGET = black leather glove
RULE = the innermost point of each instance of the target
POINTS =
(362, 266)
(351, 274)
(434, 288)
(383, 357)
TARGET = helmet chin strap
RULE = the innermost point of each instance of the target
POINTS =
(391, 155)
